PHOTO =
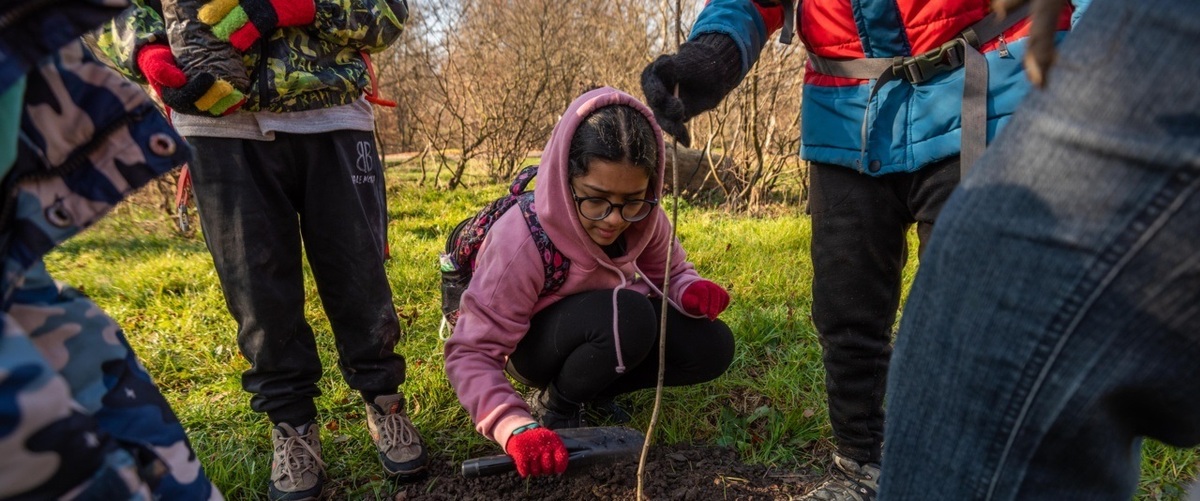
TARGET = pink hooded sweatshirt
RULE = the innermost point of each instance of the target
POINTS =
(504, 292)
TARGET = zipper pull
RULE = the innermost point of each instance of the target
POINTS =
(1004, 47)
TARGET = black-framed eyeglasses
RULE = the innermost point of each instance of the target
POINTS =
(598, 208)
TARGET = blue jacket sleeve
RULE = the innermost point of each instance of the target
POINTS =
(741, 21)
(1080, 7)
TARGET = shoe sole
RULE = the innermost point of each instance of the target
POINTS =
(309, 498)
(275, 495)
(409, 475)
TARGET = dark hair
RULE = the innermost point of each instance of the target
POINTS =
(616, 133)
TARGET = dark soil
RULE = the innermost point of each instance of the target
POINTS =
(672, 472)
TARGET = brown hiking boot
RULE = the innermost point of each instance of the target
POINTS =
(400, 448)
(848, 481)
(297, 472)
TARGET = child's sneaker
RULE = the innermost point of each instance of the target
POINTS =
(848, 481)
(297, 472)
(400, 448)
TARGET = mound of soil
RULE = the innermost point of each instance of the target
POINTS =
(672, 472)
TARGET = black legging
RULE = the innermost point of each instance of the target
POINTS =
(570, 344)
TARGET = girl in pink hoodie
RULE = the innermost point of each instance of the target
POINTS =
(596, 336)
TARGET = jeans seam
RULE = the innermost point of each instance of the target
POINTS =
(1110, 263)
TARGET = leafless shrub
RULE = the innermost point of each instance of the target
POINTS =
(483, 81)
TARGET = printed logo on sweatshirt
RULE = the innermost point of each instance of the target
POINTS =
(364, 163)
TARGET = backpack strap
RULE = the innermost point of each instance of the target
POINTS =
(521, 182)
(962, 50)
(554, 263)
(789, 22)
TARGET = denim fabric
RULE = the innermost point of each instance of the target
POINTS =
(264, 203)
(1055, 320)
(859, 247)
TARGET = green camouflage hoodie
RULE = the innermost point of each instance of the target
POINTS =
(292, 69)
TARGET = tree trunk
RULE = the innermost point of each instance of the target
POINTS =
(696, 175)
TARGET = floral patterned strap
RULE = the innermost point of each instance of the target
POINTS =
(521, 182)
(462, 246)
(555, 264)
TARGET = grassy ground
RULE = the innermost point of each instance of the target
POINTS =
(162, 289)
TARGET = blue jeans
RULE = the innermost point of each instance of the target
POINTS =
(1055, 320)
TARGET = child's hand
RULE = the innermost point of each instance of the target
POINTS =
(202, 94)
(704, 69)
(538, 451)
(243, 22)
(705, 298)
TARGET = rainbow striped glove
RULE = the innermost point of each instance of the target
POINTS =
(203, 94)
(243, 22)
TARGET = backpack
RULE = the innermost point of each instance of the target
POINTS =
(457, 262)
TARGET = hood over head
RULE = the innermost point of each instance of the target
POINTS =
(552, 193)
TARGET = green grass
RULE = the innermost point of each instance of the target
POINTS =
(770, 406)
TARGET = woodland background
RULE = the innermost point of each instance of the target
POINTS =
(486, 80)
(479, 84)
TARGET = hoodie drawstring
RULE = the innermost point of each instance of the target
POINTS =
(616, 330)
(658, 291)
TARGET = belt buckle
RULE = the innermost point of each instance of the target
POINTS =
(922, 67)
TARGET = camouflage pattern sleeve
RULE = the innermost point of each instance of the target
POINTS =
(30, 31)
(369, 25)
(79, 416)
(89, 421)
(118, 41)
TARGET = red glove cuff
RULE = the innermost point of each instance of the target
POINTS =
(244, 37)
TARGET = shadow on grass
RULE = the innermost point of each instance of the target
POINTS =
(132, 247)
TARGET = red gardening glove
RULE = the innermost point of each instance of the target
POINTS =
(243, 22)
(705, 298)
(203, 94)
(538, 451)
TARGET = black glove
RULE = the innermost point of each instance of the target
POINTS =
(705, 69)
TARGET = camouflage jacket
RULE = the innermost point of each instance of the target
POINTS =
(87, 139)
(24, 41)
(291, 69)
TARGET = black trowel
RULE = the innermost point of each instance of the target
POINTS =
(587, 446)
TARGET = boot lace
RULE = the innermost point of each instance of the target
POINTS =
(297, 457)
(396, 430)
(846, 485)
